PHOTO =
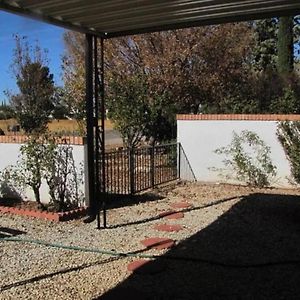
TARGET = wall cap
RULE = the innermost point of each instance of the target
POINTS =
(238, 117)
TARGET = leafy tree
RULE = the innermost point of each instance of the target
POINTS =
(34, 103)
(28, 172)
(265, 47)
(73, 76)
(276, 87)
(192, 66)
(137, 112)
(275, 37)
(127, 107)
(182, 70)
(60, 107)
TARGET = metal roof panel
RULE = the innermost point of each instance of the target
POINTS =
(110, 18)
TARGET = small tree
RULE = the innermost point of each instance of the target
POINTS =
(42, 159)
(29, 170)
(62, 176)
(138, 112)
(33, 104)
(127, 107)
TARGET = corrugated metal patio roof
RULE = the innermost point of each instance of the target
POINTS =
(112, 18)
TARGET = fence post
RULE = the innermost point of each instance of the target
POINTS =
(131, 171)
(179, 160)
(86, 172)
(152, 169)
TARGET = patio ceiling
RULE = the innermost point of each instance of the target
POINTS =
(113, 18)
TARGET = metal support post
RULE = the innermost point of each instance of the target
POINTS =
(102, 133)
(92, 207)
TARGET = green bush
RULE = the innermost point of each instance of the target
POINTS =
(42, 159)
(289, 136)
(249, 159)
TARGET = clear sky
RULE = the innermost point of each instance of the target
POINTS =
(48, 36)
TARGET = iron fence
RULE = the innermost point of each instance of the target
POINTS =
(129, 171)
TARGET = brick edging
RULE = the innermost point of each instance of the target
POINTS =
(240, 117)
(61, 216)
(21, 139)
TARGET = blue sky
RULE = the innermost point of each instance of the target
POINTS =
(48, 36)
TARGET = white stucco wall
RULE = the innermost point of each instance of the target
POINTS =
(9, 154)
(199, 139)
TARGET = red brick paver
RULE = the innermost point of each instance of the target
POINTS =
(158, 243)
(181, 205)
(175, 216)
(168, 228)
(145, 266)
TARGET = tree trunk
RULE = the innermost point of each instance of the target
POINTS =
(37, 196)
(285, 46)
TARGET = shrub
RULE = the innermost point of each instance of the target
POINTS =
(62, 177)
(249, 158)
(42, 159)
(289, 136)
(28, 171)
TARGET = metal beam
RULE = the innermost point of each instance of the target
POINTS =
(114, 18)
(23, 12)
(89, 99)
(203, 22)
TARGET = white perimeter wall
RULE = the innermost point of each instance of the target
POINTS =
(9, 154)
(199, 139)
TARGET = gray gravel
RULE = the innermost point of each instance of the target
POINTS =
(31, 271)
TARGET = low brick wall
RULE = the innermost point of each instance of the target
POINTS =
(20, 139)
(239, 117)
(201, 134)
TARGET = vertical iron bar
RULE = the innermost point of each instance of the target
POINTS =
(152, 166)
(118, 160)
(179, 160)
(114, 172)
(131, 171)
(122, 165)
(111, 172)
(160, 164)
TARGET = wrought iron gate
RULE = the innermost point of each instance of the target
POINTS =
(129, 171)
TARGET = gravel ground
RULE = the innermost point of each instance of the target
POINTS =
(237, 243)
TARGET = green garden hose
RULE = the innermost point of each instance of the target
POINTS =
(146, 256)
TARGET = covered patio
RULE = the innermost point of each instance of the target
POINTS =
(101, 20)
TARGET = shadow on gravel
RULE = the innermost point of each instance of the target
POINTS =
(116, 200)
(59, 272)
(8, 232)
(141, 221)
(250, 252)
